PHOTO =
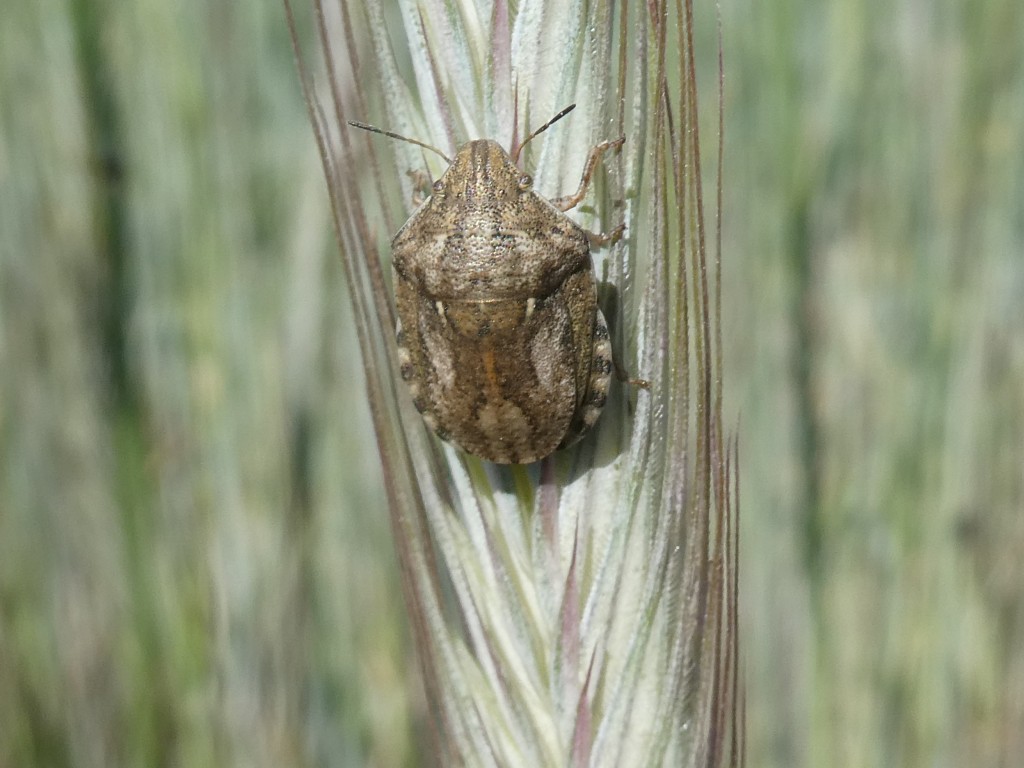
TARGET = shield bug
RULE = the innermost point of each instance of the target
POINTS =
(500, 338)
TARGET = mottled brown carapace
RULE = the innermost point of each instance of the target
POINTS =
(500, 338)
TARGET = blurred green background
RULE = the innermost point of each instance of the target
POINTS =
(195, 561)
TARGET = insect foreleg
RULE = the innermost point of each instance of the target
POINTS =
(571, 201)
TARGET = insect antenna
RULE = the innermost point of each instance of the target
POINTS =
(548, 124)
(390, 135)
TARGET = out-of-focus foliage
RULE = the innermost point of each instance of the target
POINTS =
(875, 270)
(195, 566)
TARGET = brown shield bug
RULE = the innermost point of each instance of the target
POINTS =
(500, 338)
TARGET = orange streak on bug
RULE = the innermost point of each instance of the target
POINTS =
(490, 368)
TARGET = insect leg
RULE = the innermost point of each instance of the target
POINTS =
(571, 201)
(420, 186)
(603, 238)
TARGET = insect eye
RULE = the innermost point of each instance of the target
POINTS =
(437, 186)
(525, 181)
